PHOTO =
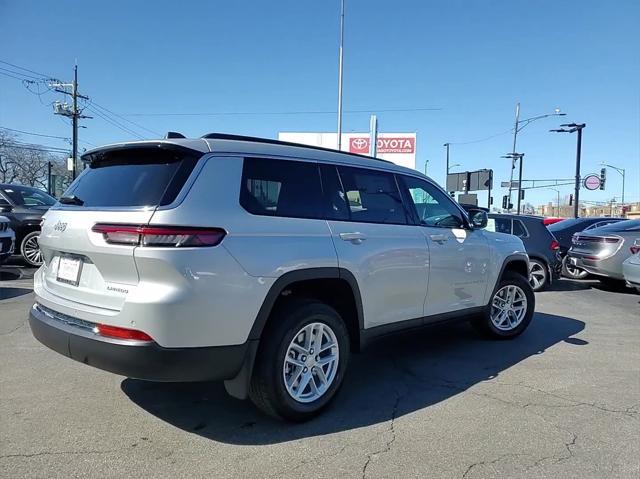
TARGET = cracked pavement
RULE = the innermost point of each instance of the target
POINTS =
(561, 401)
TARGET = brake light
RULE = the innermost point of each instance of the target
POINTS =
(555, 246)
(121, 333)
(159, 236)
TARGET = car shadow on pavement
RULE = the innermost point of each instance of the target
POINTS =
(8, 293)
(398, 376)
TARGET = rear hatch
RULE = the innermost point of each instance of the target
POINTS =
(122, 185)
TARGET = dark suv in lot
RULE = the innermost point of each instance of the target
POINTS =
(24, 206)
(542, 247)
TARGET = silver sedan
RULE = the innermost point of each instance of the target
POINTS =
(602, 251)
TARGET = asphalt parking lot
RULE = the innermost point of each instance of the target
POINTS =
(563, 400)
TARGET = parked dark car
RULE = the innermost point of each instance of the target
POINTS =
(543, 249)
(24, 206)
(564, 231)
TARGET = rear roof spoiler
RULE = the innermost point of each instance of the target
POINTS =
(102, 153)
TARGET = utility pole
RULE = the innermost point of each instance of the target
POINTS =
(340, 75)
(72, 112)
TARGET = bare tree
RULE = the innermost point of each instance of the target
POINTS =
(29, 165)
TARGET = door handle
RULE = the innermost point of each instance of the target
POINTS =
(355, 237)
(439, 238)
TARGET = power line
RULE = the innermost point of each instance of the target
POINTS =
(25, 69)
(29, 146)
(34, 134)
(301, 112)
(11, 76)
(115, 123)
(126, 119)
(480, 140)
(24, 75)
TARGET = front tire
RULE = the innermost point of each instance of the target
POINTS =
(538, 274)
(301, 361)
(510, 310)
(30, 249)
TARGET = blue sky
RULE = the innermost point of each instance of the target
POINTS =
(472, 59)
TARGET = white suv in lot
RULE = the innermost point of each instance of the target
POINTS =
(261, 263)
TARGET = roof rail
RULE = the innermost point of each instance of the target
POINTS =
(227, 136)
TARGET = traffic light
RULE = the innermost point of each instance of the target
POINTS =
(603, 177)
(505, 200)
(522, 194)
(570, 200)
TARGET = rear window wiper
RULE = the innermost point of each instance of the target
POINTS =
(71, 200)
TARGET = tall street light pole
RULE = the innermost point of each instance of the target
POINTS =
(340, 75)
(446, 145)
(570, 128)
(518, 127)
(519, 158)
(622, 172)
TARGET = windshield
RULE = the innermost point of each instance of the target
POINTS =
(620, 226)
(27, 196)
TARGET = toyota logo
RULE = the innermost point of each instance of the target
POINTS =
(359, 143)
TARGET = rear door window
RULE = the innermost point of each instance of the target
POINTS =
(372, 196)
(281, 188)
(135, 177)
(503, 225)
(519, 229)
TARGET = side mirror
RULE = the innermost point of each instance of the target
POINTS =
(479, 219)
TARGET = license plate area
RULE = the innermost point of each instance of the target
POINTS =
(69, 270)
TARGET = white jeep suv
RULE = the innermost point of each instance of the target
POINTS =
(261, 263)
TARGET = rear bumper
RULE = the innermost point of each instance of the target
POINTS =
(135, 359)
(599, 267)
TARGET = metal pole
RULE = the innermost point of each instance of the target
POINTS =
(515, 137)
(373, 136)
(340, 75)
(622, 187)
(558, 213)
(74, 119)
(520, 180)
(446, 176)
(49, 177)
(490, 185)
(576, 208)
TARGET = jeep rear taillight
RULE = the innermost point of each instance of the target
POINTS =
(555, 246)
(159, 236)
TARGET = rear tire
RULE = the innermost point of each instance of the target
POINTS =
(301, 361)
(572, 272)
(502, 318)
(30, 249)
(538, 274)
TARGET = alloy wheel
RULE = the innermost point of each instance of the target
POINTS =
(31, 250)
(508, 307)
(537, 276)
(311, 362)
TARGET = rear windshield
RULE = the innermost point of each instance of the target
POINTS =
(133, 177)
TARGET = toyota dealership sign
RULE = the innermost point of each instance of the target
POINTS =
(360, 144)
(399, 148)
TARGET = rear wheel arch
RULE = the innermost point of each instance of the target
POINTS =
(336, 287)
